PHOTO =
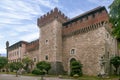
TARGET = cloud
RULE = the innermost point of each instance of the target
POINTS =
(1, 37)
(26, 28)
(75, 13)
(102, 3)
(48, 3)
(30, 36)
(13, 12)
(2, 50)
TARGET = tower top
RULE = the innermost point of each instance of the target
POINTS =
(7, 44)
(53, 14)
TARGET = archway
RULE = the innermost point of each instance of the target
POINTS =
(71, 60)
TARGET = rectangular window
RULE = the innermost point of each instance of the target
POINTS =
(46, 57)
(46, 41)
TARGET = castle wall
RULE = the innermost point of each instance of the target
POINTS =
(52, 48)
(33, 55)
(85, 38)
(86, 21)
(17, 53)
(111, 49)
(51, 45)
(89, 47)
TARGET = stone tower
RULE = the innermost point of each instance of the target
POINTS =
(7, 45)
(50, 41)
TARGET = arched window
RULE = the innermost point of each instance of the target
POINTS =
(72, 51)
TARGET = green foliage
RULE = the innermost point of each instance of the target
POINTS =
(43, 66)
(16, 66)
(27, 62)
(7, 66)
(116, 62)
(115, 17)
(76, 68)
(38, 72)
(3, 62)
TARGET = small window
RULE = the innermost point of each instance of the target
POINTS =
(72, 51)
(46, 57)
(34, 59)
(46, 41)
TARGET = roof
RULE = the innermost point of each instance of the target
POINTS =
(85, 14)
(18, 44)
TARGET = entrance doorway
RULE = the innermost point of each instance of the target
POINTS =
(71, 60)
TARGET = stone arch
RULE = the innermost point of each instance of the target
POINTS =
(72, 59)
(69, 62)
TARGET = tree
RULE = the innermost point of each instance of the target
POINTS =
(3, 62)
(7, 66)
(28, 63)
(38, 72)
(16, 66)
(76, 68)
(44, 66)
(115, 18)
(116, 63)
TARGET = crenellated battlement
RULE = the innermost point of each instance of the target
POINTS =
(87, 21)
(32, 45)
(55, 13)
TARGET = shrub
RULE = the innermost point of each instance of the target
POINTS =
(44, 66)
(115, 61)
(76, 68)
(38, 72)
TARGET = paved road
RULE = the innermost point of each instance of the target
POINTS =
(13, 77)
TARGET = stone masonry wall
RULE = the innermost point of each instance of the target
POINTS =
(89, 47)
(51, 41)
(51, 44)
(33, 54)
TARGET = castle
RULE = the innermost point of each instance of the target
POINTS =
(85, 38)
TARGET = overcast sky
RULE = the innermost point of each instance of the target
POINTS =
(18, 17)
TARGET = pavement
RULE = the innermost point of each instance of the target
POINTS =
(13, 77)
